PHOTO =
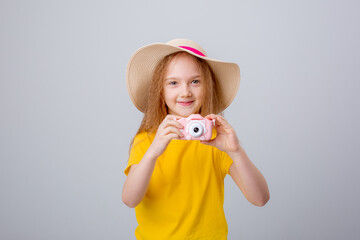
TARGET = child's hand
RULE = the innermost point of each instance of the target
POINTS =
(226, 139)
(169, 129)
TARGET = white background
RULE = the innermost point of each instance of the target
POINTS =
(66, 119)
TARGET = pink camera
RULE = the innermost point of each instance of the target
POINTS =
(196, 127)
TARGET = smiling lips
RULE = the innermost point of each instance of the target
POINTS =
(188, 103)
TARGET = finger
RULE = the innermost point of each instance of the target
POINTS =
(221, 121)
(167, 118)
(173, 117)
(171, 129)
(211, 116)
(176, 123)
(172, 136)
(169, 121)
(173, 123)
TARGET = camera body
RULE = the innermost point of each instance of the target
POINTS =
(196, 127)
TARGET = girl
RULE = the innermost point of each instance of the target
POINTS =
(177, 186)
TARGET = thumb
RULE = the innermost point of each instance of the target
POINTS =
(210, 142)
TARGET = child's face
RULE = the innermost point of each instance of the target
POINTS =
(184, 86)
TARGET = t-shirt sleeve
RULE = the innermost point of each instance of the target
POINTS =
(226, 162)
(141, 143)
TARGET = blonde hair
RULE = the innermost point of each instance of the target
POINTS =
(156, 109)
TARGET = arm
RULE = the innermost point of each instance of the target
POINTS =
(248, 178)
(244, 173)
(138, 180)
(139, 176)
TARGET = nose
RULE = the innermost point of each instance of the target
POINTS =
(185, 91)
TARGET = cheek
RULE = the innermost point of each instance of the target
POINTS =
(168, 95)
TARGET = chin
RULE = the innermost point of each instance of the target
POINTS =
(183, 113)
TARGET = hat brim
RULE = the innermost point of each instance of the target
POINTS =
(142, 64)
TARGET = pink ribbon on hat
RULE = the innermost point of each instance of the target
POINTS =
(193, 50)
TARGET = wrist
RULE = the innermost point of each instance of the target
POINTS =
(235, 152)
(152, 153)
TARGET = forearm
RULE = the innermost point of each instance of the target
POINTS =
(248, 178)
(138, 180)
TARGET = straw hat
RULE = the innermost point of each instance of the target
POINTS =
(142, 64)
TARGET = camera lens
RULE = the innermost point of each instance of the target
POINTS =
(196, 129)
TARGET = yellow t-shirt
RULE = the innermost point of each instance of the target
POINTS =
(185, 196)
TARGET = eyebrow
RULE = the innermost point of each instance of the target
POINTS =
(177, 78)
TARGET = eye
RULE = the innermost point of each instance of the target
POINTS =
(196, 81)
(173, 83)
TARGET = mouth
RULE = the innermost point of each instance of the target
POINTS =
(185, 103)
